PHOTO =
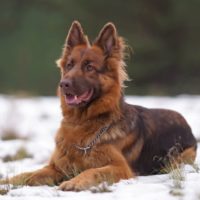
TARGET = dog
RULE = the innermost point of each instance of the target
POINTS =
(102, 138)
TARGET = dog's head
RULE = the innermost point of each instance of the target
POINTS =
(90, 72)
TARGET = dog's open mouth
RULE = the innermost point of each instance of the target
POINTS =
(75, 100)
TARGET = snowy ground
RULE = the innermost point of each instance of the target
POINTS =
(37, 120)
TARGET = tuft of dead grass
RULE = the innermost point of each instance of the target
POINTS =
(20, 154)
(10, 134)
(4, 191)
(174, 166)
(196, 167)
(72, 172)
(5, 188)
(177, 175)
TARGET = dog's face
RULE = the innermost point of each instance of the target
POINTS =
(87, 73)
(80, 76)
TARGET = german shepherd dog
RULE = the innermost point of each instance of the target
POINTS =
(102, 138)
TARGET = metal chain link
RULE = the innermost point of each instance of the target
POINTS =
(94, 141)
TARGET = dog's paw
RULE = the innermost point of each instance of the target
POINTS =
(74, 185)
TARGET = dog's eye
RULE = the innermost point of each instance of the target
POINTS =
(89, 68)
(69, 66)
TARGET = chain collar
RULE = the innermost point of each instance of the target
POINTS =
(99, 133)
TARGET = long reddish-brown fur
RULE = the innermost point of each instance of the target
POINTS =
(129, 146)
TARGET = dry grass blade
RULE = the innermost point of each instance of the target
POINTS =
(20, 154)
(178, 177)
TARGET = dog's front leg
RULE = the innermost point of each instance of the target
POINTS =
(45, 176)
(95, 176)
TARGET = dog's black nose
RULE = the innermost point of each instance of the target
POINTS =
(65, 83)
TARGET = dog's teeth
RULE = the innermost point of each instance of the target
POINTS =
(75, 97)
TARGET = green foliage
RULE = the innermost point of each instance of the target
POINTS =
(163, 34)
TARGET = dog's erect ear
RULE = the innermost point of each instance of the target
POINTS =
(107, 38)
(75, 35)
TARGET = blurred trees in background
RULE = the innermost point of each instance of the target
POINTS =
(164, 36)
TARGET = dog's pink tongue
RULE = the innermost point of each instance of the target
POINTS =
(78, 99)
(72, 100)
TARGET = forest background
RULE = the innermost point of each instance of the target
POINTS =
(164, 36)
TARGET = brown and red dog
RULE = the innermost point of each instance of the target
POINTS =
(101, 137)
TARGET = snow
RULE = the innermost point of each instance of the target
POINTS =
(38, 119)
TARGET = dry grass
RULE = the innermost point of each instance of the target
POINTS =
(5, 188)
(4, 191)
(74, 171)
(12, 116)
(177, 175)
(10, 134)
(196, 167)
(174, 167)
(20, 154)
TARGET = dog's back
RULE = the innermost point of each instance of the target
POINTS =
(167, 138)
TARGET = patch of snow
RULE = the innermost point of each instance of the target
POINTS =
(39, 118)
